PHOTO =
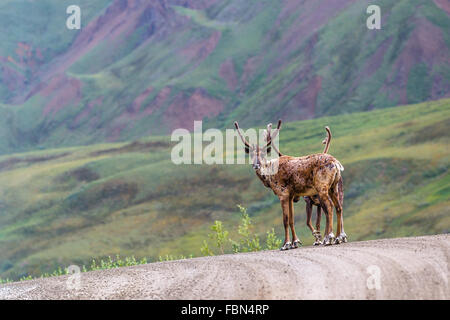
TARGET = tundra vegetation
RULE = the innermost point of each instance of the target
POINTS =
(70, 205)
(248, 242)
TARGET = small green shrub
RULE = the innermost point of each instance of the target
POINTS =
(205, 249)
(272, 241)
(220, 236)
(3, 281)
(248, 241)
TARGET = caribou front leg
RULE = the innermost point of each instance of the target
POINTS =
(285, 200)
(295, 241)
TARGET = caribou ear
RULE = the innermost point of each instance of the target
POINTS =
(269, 148)
(247, 150)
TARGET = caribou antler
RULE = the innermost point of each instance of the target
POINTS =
(271, 136)
(247, 145)
(327, 140)
(268, 136)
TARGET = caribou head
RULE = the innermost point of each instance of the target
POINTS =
(257, 153)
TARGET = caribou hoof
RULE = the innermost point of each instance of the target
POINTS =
(329, 239)
(318, 237)
(286, 246)
(342, 238)
(296, 244)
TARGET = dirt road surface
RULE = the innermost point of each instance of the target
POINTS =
(403, 268)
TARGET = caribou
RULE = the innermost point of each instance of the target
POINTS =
(314, 200)
(292, 177)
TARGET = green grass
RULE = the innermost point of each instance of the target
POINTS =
(248, 242)
(100, 264)
(66, 206)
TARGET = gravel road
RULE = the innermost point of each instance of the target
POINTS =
(402, 268)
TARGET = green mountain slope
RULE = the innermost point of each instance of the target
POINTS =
(65, 206)
(147, 67)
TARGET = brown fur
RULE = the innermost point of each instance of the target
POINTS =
(316, 174)
(315, 201)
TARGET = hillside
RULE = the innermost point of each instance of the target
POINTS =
(139, 68)
(69, 205)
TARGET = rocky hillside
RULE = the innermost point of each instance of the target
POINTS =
(146, 67)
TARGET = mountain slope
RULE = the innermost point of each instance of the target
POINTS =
(69, 205)
(148, 67)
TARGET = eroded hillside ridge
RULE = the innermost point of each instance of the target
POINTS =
(147, 67)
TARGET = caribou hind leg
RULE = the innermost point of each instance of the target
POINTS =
(327, 206)
(315, 232)
(324, 181)
(337, 197)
